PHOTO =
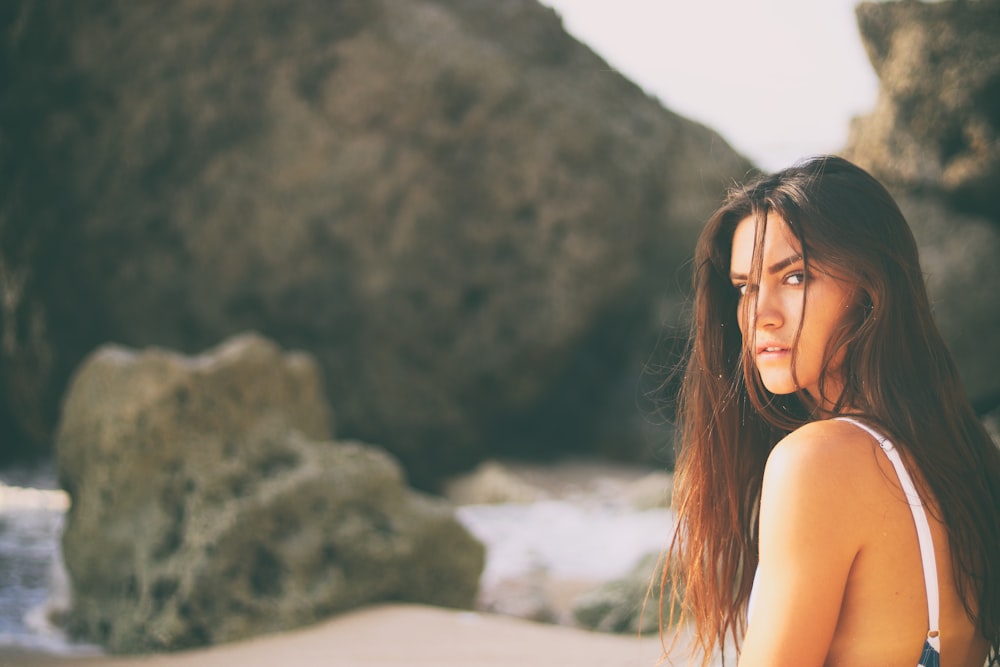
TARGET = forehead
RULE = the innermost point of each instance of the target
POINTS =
(779, 242)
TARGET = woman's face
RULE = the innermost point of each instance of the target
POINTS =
(771, 327)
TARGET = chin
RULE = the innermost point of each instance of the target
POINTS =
(779, 386)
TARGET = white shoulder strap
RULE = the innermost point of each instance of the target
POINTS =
(923, 531)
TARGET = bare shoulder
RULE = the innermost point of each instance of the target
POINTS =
(822, 447)
(823, 459)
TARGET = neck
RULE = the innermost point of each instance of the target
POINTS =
(825, 403)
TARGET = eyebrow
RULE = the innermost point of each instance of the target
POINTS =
(774, 268)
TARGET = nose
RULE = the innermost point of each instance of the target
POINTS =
(767, 313)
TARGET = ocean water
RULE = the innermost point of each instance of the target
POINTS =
(564, 539)
(33, 584)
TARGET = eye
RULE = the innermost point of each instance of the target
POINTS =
(795, 278)
(741, 288)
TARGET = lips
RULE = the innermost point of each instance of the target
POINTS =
(771, 349)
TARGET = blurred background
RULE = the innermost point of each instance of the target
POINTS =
(470, 220)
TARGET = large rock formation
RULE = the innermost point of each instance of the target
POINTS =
(936, 124)
(934, 138)
(48, 320)
(209, 504)
(958, 253)
(469, 218)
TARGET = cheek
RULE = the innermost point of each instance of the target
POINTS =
(741, 320)
(823, 328)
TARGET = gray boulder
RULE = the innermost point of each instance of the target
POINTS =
(958, 254)
(936, 124)
(934, 138)
(472, 222)
(209, 504)
(631, 604)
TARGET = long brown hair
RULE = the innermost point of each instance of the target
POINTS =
(897, 371)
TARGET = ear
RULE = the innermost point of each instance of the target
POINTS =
(864, 307)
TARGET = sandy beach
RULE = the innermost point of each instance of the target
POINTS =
(393, 636)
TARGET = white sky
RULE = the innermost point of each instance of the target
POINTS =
(778, 79)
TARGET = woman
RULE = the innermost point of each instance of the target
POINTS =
(814, 363)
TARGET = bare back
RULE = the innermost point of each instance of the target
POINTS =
(851, 590)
